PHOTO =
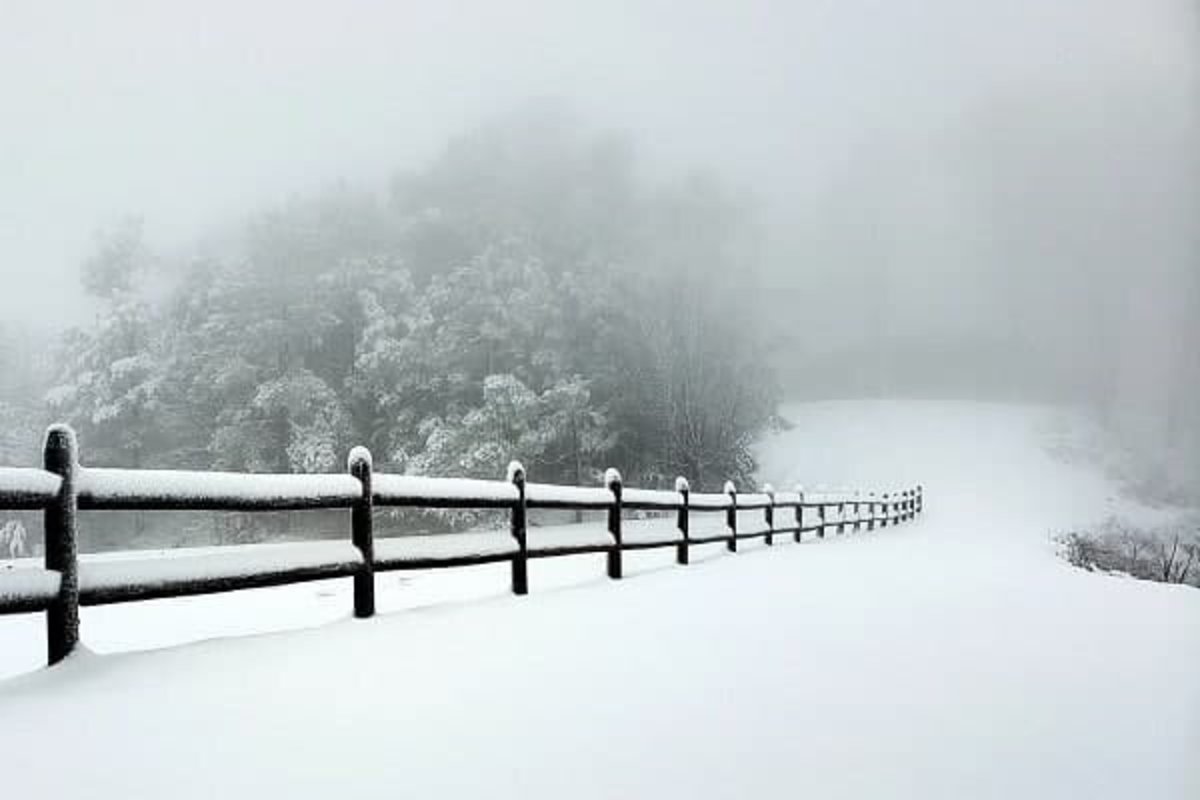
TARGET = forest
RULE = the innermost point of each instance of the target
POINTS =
(525, 295)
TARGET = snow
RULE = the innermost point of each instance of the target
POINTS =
(359, 455)
(708, 500)
(548, 494)
(440, 547)
(707, 525)
(550, 537)
(612, 477)
(26, 582)
(396, 489)
(173, 488)
(649, 498)
(650, 531)
(753, 500)
(111, 572)
(547, 537)
(954, 657)
(25, 485)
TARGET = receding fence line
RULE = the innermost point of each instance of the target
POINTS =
(62, 487)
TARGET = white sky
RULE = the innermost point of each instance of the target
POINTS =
(192, 114)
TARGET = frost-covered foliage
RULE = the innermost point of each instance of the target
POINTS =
(110, 383)
(13, 540)
(525, 296)
(1167, 553)
(21, 430)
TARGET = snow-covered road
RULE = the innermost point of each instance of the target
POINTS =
(957, 657)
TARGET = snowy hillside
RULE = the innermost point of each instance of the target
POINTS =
(955, 657)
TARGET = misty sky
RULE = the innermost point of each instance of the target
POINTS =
(193, 116)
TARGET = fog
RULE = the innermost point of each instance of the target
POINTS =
(990, 199)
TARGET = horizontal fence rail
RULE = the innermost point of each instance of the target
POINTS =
(64, 582)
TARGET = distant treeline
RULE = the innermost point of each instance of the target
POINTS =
(527, 294)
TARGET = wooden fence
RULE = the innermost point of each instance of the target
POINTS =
(62, 488)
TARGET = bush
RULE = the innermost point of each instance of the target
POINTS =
(1167, 553)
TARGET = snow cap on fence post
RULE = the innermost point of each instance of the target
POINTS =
(731, 516)
(517, 526)
(362, 531)
(611, 478)
(60, 455)
(769, 513)
(612, 481)
(358, 457)
(683, 522)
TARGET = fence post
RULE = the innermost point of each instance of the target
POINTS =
(908, 504)
(612, 479)
(60, 455)
(769, 514)
(520, 562)
(731, 517)
(362, 533)
(887, 509)
(682, 555)
(857, 510)
(799, 514)
(920, 498)
(841, 528)
(821, 514)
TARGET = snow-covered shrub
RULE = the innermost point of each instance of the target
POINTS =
(13, 540)
(1167, 553)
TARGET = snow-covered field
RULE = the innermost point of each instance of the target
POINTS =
(955, 657)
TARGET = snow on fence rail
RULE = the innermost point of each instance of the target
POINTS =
(62, 583)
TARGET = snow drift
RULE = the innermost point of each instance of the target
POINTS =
(956, 657)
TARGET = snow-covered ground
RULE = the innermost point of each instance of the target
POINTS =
(955, 657)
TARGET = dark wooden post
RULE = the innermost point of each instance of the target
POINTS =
(520, 562)
(920, 498)
(857, 511)
(60, 455)
(362, 533)
(821, 517)
(871, 509)
(908, 504)
(731, 517)
(887, 509)
(841, 516)
(799, 514)
(612, 479)
(769, 514)
(682, 555)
